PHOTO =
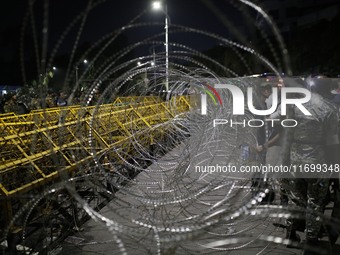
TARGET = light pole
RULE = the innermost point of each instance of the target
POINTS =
(154, 63)
(157, 5)
(85, 61)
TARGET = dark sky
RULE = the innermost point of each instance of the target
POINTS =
(113, 14)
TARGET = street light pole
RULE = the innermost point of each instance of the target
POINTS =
(157, 5)
(85, 61)
(154, 63)
(166, 49)
(77, 75)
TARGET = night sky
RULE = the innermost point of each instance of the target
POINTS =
(113, 14)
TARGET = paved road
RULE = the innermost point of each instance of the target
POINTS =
(256, 230)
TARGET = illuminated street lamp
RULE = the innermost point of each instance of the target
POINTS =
(157, 6)
(85, 61)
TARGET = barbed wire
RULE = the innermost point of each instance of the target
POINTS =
(136, 169)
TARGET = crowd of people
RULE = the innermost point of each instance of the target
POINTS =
(313, 141)
(24, 100)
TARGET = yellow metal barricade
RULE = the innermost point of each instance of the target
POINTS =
(49, 146)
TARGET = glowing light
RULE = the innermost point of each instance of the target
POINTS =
(156, 5)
